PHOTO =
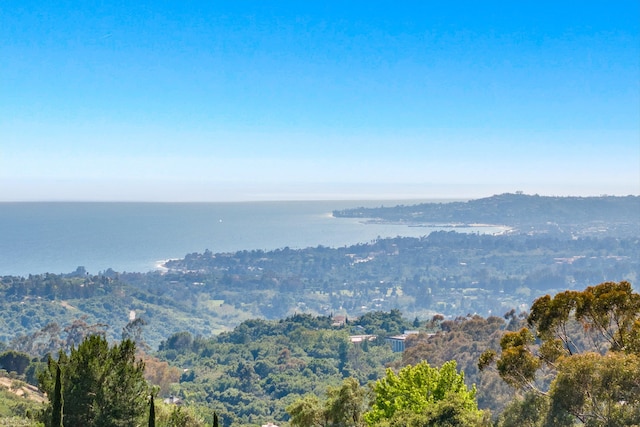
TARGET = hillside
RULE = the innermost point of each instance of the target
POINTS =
(582, 216)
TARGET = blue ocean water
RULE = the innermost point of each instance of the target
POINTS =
(135, 237)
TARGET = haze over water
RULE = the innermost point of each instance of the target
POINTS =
(134, 237)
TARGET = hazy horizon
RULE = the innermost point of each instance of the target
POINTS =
(257, 101)
(401, 196)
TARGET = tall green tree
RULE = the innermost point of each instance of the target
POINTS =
(434, 396)
(56, 400)
(589, 342)
(152, 412)
(101, 385)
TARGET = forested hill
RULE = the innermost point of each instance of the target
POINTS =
(604, 215)
(445, 272)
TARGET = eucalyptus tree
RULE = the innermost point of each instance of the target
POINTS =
(588, 343)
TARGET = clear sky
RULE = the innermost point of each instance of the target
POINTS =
(271, 100)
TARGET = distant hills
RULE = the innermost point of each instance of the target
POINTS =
(556, 243)
(604, 215)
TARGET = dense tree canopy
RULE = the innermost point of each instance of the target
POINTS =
(597, 390)
(254, 372)
(14, 361)
(101, 385)
(464, 339)
(587, 343)
(423, 394)
(343, 407)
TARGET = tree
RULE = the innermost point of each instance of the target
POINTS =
(346, 404)
(527, 411)
(152, 412)
(161, 374)
(597, 390)
(444, 413)
(609, 316)
(79, 330)
(344, 407)
(416, 322)
(14, 361)
(588, 342)
(307, 412)
(46, 340)
(427, 392)
(464, 339)
(101, 386)
(517, 365)
(56, 400)
(182, 417)
(170, 415)
(133, 331)
(382, 323)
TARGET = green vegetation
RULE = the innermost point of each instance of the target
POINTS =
(344, 406)
(251, 374)
(576, 362)
(445, 272)
(20, 403)
(297, 337)
(586, 344)
(152, 412)
(423, 395)
(56, 399)
(463, 340)
(101, 385)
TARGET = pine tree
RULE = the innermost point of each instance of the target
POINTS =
(100, 386)
(215, 420)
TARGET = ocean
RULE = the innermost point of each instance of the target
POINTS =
(135, 237)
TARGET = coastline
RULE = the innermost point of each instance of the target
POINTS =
(160, 265)
(451, 225)
(142, 237)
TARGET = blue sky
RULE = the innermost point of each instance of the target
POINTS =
(272, 100)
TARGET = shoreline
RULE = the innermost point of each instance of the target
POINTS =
(160, 264)
(436, 225)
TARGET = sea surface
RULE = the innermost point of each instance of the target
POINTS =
(135, 237)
